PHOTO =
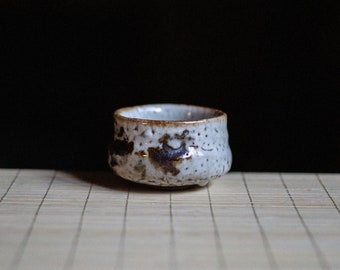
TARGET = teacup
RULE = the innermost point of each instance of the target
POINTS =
(170, 145)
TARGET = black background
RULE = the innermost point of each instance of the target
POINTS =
(273, 66)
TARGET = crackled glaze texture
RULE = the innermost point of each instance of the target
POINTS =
(170, 145)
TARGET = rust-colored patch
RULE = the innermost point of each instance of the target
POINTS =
(141, 153)
(167, 157)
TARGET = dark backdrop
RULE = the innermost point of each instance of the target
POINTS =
(271, 65)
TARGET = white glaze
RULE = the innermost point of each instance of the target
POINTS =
(170, 145)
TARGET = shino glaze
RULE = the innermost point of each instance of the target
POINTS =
(170, 145)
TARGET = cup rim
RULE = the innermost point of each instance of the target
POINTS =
(218, 115)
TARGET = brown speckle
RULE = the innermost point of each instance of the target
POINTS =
(121, 132)
(121, 147)
(182, 136)
(141, 153)
(164, 138)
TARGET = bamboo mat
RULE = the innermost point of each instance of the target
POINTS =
(93, 220)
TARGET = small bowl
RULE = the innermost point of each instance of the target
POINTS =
(170, 145)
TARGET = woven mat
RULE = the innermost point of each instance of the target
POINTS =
(94, 220)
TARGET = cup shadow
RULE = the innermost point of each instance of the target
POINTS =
(110, 180)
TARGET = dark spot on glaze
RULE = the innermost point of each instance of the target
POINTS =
(113, 161)
(153, 131)
(182, 136)
(205, 149)
(121, 132)
(165, 138)
(121, 147)
(166, 157)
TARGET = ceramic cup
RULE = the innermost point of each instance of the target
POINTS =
(170, 145)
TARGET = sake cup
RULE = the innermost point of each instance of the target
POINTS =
(170, 145)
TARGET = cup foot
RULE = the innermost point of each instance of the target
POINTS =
(174, 188)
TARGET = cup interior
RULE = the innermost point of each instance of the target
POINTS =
(170, 112)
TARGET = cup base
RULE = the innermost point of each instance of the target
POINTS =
(174, 188)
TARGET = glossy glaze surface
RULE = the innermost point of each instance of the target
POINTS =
(170, 145)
